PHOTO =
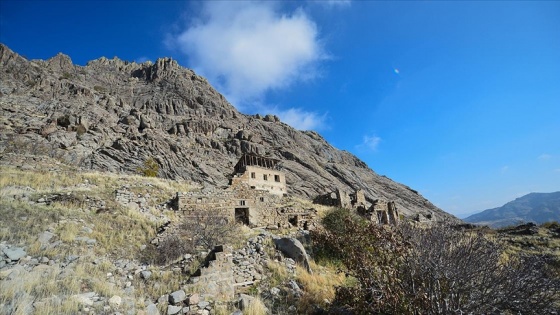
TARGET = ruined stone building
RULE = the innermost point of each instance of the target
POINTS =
(260, 173)
(255, 198)
(382, 212)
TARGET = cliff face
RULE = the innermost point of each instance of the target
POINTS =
(113, 115)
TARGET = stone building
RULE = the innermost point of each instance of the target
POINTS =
(382, 212)
(260, 173)
(255, 198)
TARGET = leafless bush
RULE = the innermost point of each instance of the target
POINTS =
(201, 232)
(206, 230)
(433, 270)
(452, 272)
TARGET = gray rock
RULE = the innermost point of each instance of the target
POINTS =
(152, 310)
(45, 237)
(177, 297)
(172, 309)
(203, 304)
(115, 301)
(293, 248)
(14, 253)
(146, 274)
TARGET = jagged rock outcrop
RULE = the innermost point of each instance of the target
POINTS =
(113, 115)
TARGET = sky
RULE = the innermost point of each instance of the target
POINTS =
(458, 100)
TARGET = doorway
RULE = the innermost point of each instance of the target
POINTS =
(242, 216)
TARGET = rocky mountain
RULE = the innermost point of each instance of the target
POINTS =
(113, 115)
(534, 207)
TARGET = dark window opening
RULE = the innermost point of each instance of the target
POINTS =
(293, 220)
(242, 216)
(265, 177)
(261, 199)
(277, 178)
(253, 175)
(241, 202)
(305, 226)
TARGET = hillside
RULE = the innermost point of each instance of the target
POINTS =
(113, 115)
(534, 207)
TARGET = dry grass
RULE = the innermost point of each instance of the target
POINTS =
(319, 287)
(119, 232)
(256, 307)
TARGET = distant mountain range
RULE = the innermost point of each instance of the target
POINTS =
(534, 207)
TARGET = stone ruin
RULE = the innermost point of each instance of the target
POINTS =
(379, 211)
(255, 197)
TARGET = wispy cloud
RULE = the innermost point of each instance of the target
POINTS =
(504, 169)
(333, 3)
(544, 157)
(249, 48)
(142, 59)
(301, 119)
(370, 142)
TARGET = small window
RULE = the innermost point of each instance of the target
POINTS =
(253, 175)
(261, 199)
(265, 177)
(277, 178)
(241, 202)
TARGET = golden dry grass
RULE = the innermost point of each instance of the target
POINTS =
(320, 287)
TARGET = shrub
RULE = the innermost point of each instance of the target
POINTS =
(434, 270)
(150, 168)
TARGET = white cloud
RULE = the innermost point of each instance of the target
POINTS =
(248, 48)
(370, 142)
(142, 59)
(544, 157)
(302, 120)
(334, 3)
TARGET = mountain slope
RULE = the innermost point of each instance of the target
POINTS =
(113, 115)
(534, 207)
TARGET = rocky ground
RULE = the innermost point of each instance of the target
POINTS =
(80, 243)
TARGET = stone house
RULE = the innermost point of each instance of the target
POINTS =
(255, 197)
(382, 212)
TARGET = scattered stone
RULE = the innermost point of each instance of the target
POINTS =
(177, 297)
(84, 298)
(194, 299)
(172, 309)
(115, 301)
(45, 237)
(146, 274)
(152, 310)
(14, 253)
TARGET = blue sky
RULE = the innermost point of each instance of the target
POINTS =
(458, 100)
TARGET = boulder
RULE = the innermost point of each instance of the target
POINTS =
(293, 248)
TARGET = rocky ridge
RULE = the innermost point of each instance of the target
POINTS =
(113, 115)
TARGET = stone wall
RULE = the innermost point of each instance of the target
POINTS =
(214, 279)
(240, 203)
(382, 212)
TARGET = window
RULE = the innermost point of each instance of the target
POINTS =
(277, 178)
(261, 199)
(253, 175)
(241, 202)
(265, 177)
